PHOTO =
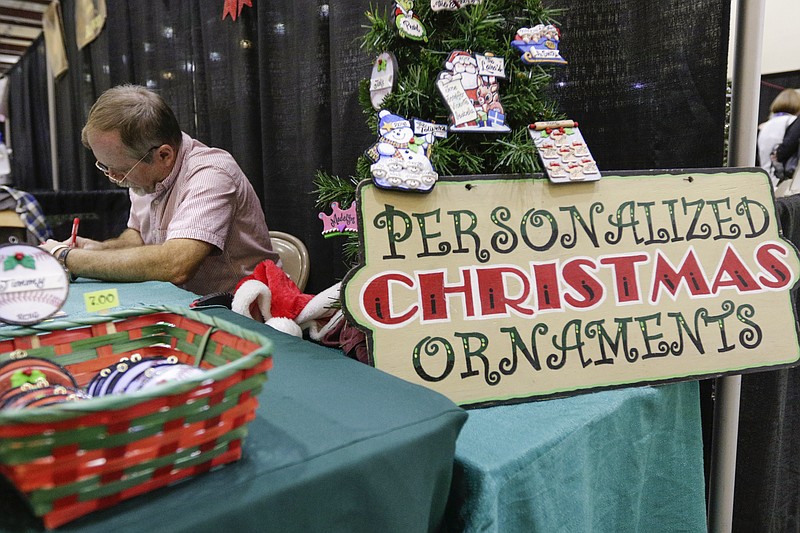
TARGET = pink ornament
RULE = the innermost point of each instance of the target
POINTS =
(339, 222)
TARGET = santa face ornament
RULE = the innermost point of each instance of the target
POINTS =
(470, 88)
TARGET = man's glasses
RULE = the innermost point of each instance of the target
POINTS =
(108, 171)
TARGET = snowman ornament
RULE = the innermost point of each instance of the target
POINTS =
(401, 158)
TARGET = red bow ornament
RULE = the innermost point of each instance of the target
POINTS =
(234, 8)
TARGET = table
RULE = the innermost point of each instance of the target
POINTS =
(335, 446)
(624, 460)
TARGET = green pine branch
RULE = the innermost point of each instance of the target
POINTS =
(334, 189)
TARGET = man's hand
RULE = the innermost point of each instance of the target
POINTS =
(49, 244)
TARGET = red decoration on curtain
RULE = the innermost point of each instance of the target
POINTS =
(234, 8)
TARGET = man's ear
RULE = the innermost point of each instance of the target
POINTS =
(165, 154)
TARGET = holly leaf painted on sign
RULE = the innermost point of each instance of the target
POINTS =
(12, 261)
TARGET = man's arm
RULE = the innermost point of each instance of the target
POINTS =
(175, 261)
(127, 239)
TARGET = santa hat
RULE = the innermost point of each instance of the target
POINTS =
(270, 296)
(451, 60)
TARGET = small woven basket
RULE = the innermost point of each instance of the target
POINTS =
(77, 457)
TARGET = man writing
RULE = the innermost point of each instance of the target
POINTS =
(195, 219)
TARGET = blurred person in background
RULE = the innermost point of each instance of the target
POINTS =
(783, 111)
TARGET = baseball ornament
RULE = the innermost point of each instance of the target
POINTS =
(382, 80)
(33, 284)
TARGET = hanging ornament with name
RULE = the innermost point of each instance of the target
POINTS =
(340, 221)
(564, 154)
(408, 23)
(470, 88)
(452, 5)
(381, 82)
(539, 44)
(401, 158)
(423, 128)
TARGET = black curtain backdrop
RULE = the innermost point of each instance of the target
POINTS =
(646, 80)
(27, 111)
(278, 89)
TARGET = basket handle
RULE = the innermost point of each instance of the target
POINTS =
(201, 348)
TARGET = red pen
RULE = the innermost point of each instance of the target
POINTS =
(74, 237)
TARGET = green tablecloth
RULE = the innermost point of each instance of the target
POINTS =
(627, 460)
(336, 446)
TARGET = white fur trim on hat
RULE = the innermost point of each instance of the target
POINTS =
(249, 292)
(286, 325)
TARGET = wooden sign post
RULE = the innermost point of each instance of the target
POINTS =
(496, 289)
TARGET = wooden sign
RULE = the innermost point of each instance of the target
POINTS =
(495, 289)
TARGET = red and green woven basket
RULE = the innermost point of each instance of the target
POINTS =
(77, 457)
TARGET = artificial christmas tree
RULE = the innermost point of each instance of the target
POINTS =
(415, 44)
